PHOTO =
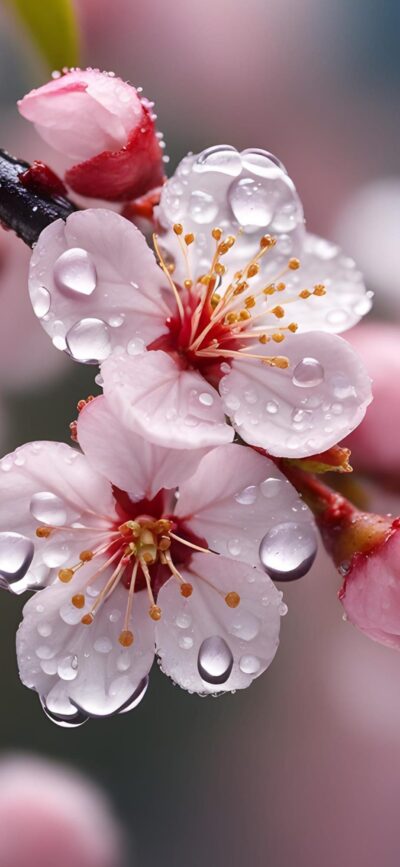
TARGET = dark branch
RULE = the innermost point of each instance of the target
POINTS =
(23, 209)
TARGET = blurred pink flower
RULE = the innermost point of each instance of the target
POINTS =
(375, 444)
(51, 816)
(104, 128)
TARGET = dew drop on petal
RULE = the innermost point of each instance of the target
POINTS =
(249, 664)
(41, 300)
(47, 508)
(221, 158)
(215, 660)
(16, 555)
(308, 372)
(248, 496)
(272, 407)
(68, 667)
(67, 721)
(88, 341)
(234, 547)
(244, 625)
(183, 620)
(271, 487)
(288, 551)
(251, 203)
(185, 642)
(136, 697)
(206, 398)
(75, 272)
(103, 645)
(136, 346)
(202, 207)
(261, 162)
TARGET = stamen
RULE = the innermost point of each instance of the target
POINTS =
(232, 599)
(126, 636)
(154, 610)
(190, 544)
(168, 276)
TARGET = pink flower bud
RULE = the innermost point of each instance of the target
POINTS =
(52, 816)
(104, 128)
(371, 591)
(375, 446)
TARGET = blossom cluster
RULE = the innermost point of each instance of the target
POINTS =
(214, 337)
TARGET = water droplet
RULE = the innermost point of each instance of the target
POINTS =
(136, 346)
(271, 487)
(248, 496)
(272, 407)
(67, 721)
(183, 620)
(261, 162)
(202, 207)
(251, 203)
(124, 661)
(16, 555)
(114, 615)
(206, 398)
(41, 301)
(221, 158)
(103, 645)
(344, 567)
(249, 664)
(244, 624)
(116, 320)
(251, 396)
(288, 550)
(185, 642)
(136, 697)
(283, 609)
(88, 341)
(215, 660)
(68, 668)
(75, 271)
(55, 554)
(308, 372)
(232, 402)
(47, 508)
(234, 547)
(45, 629)
(45, 652)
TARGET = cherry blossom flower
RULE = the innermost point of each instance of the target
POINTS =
(127, 566)
(52, 815)
(105, 129)
(214, 315)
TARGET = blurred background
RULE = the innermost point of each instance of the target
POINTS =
(303, 768)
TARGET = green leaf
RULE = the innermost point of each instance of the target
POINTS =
(52, 27)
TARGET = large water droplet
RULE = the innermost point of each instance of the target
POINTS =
(68, 668)
(48, 509)
(261, 162)
(271, 487)
(248, 496)
(88, 341)
(308, 372)
(251, 203)
(75, 271)
(215, 660)
(202, 207)
(288, 551)
(65, 721)
(221, 158)
(41, 301)
(16, 555)
(136, 698)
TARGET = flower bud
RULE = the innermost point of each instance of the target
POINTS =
(105, 130)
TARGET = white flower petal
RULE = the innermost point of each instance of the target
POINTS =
(235, 497)
(131, 462)
(247, 637)
(48, 483)
(304, 409)
(94, 285)
(72, 665)
(168, 406)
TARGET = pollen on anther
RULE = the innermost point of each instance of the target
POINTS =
(186, 589)
(278, 311)
(87, 619)
(232, 599)
(43, 532)
(319, 289)
(253, 269)
(189, 238)
(305, 293)
(267, 241)
(263, 338)
(250, 301)
(293, 326)
(294, 264)
(178, 228)
(220, 269)
(188, 284)
(164, 543)
(126, 638)
(65, 575)
(155, 612)
(217, 233)
(86, 556)
(78, 600)
(244, 314)
(278, 337)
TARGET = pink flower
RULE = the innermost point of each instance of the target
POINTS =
(371, 590)
(50, 815)
(213, 329)
(104, 128)
(140, 569)
(374, 445)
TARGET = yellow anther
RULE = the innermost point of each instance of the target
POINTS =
(149, 554)
(87, 619)
(244, 314)
(155, 612)
(293, 326)
(281, 362)
(78, 600)
(230, 240)
(220, 269)
(162, 526)
(294, 264)
(188, 284)
(231, 318)
(126, 638)
(253, 269)
(85, 556)
(215, 299)
(269, 290)
(267, 241)
(43, 532)
(130, 528)
(205, 279)
(240, 288)
(223, 248)
(305, 293)
(280, 287)
(178, 228)
(186, 589)
(263, 338)
(130, 550)
(189, 238)
(164, 543)
(278, 337)
(217, 233)
(170, 267)
(232, 599)
(319, 289)
(238, 275)
(278, 311)
(250, 301)
(65, 575)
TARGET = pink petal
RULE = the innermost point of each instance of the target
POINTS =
(169, 406)
(234, 498)
(129, 461)
(247, 635)
(70, 664)
(49, 483)
(94, 285)
(304, 409)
